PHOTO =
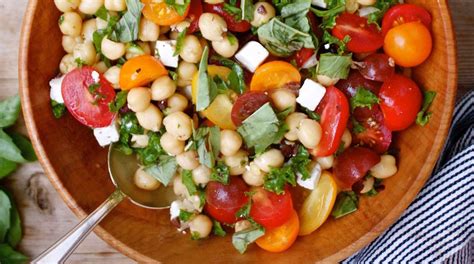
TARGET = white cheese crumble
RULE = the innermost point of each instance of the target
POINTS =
(55, 92)
(164, 50)
(313, 179)
(107, 135)
(95, 76)
(320, 3)
(311, 94)
(252, 55)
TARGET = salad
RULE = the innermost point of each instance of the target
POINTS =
(266, 118)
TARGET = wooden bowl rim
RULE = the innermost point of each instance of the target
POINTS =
(380, 227)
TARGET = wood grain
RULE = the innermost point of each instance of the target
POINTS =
(43, 228)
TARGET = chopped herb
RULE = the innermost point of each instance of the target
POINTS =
(233, 11)
(277, 178)
(232, 38)
(335, 7)
(180, 42)
(247, 9)
(58, 109)
(102, 13)
(283, 114)
(346, 203)
(382, 6)
(187, 180)
(205, 93)
(221, 173)
(423, 117)
(357, 126)
(79, 62)
(195, 235)
(299, 163)
(118, 102)
(152, 152)
(341, 44)
(236, 77)
(173, 75)
(334, 66)
(311, 114)
(126, 29)
(129, 124)
(244, 211)
(215, 141)
(185, 216)
(61, 20)
(363, 98)
(340, 149)
(243, 238)
(217, 229)
(180, 8)
(164, 170)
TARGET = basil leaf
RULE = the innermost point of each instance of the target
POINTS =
(180, 8)
(221, 173)
(185, 216)
(180, 42)
(334, 66)
(14, 233)
(335, 7)
(6, 167)
(277, 178)
(5, 206)
(217, 229)
(204, 93)
(119, 102)
(311, 114)
(102, 13)
(244, 211)
(236, 77)
(9, 111)
(205, 157)
(346, 203)
(164, 170)
(8, 149)
(9, 256)
(215, 141)
(24, 145)
(126, 30)
(247, 9)
(234, 11)
(187, 180)
(58, 109)
(423, 117)
(299, 163)
(382, 6)
(294, 15)
(341, 44)
(129, 124)
(243, 238)
(363, 98)
(152, 152)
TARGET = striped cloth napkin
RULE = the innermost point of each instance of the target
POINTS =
(438, 227)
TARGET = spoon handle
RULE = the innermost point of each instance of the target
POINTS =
(64, 247)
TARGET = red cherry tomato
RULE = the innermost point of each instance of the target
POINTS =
(195, 11)
(87, 100)
(232, 24)
(356, 80)
(334, 112)
(364, 37)
(302, 56)
(246, 105)
(270, 209)
(223, 201)
(377, 67)
(352, 165)
(375, 134)
(400, 101)
(405, 13)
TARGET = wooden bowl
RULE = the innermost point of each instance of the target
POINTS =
(77, 168)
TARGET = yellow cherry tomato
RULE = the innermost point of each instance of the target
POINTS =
(280, 238)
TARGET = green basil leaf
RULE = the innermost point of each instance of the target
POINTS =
(363, 98)
(243, 238)
(215, 141)
(164, 170)
(180, 8)
(187, 180)
(9, 111)
(217, 229)
(102, 13)
(6, 167)
(236, 77)
(129, 124)
(204, 93)
(423, 117)
(244, 211)
(277, 178)
(8, 149)
(299, 163)
(234, 11)
(294, 15)
(334, 66)
(335, 7)
(9, 256)
(311, 114)
(180, 42)
(341, 44)
(58, 109)
(205, 156)
(382, 6)
(152, 152)
(5, 218)
(185, 216)
(221, 173)
(119, 102)
(247, 9)
(24, 144)
(14, 233)
(126, 30)
(346, 203)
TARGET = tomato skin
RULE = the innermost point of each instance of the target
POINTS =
(140, 71)
(355, 80)
(246, 105)
(352, 165)
(195, 12)
(376, 135)
(364, 37)
(274, 74)
(281, 238)
(270, 209)
(334, 112)
(161, 13)
(223, 201)
(405, 13)
(232, 24)
(80, 102)
(400, 101)
(302, 56)
(377, 67)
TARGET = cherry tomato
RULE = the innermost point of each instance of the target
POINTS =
(223, 201)
(356, 80)
(232, 24)
(246, 105)
(302, 56)
(375, 134)
(270, 209)
(405, 13)
(140, 71)
(87, 100)
(364, 37)
(409, 44)
(377, 67)
(161, 13)
(281, 238)
(274, 74)
(400, 101)
(334, 112)
(194, 14)
(352, 165)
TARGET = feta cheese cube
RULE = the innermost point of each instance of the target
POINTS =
(175, 209)
(164, 51)
(55, 92)
(311, 94)
(252, 55)
(311, 182)
(107, 135)
(95, 76)
(320, 3)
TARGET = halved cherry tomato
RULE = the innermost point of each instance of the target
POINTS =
(232, 24)
(270, 209)
(281, 238)
(409, 44)
(302, 56)
(377, 67)
(355, 80)
(161, 13)
(353, 164)
(375, 134)
(274, 74)
(223, 201)
(91, 109)
(140, 71)
(405, 13)
(364, 37)
(334, 112)
(195, 12)
(400, 101)
(246, 105)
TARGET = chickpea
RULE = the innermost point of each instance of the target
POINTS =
(226, 47)
(191, 50)
(69, 43)
(150, 118)
(85, 52)
(176, 103)
(67, 64)
(178, 187)
(272, 158)
(368, 184)
(148, 30)
(179, 125)
(366, 2)
(145, 181)
(212, 26)
(230, 142)
(293, 121)
(90, 7)
(325, 162)
(66, 5)
(139, 99)
(237, 162)
(111, 49)
(387, 167)
(88, 29)
(140, 141)
(186, 72)
(162, 88)
(188, 160)
(115, 5)
(100, 23)
(113, 76)
(253, 175)
(200, 226)
(262, 13)
(201, 175)
(179, 27)
(347, 138)
(101, 67)
(326, 80)
(242, 225)
(283, 99)
(352, 6)
(70, 24)
(171, 144)
(213, 2)
(309, 133)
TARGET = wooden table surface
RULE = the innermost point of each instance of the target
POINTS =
(46, 218)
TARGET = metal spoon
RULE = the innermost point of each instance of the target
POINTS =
(121, 170)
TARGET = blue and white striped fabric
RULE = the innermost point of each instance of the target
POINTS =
(438, 227)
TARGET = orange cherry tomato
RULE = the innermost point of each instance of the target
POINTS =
(161, 13)
(409, 44)
(139, 71)
(281, 238)
(274, 74)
